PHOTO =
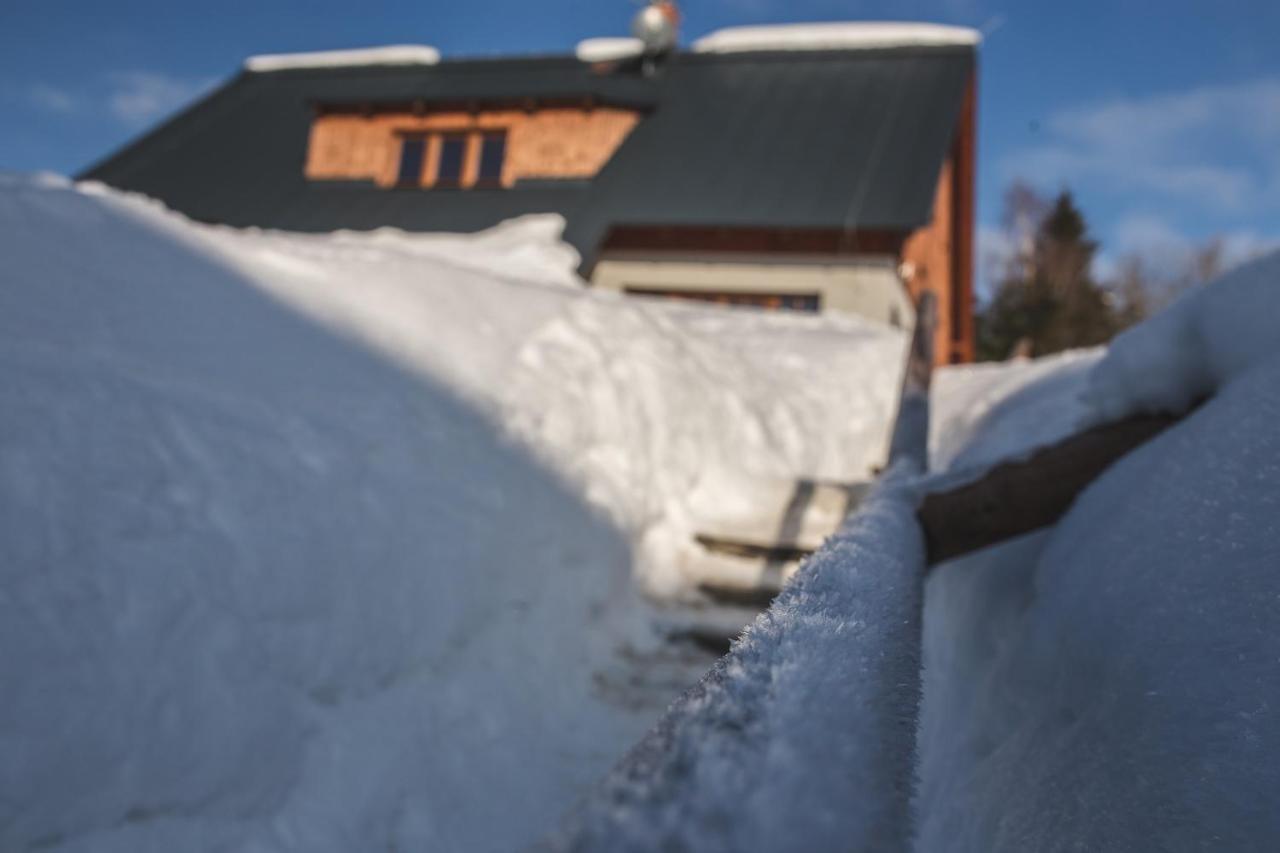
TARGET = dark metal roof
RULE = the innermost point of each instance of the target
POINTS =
(848, 139)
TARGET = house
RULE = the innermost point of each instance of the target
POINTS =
(806, 167)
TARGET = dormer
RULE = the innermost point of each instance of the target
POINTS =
(464, 146)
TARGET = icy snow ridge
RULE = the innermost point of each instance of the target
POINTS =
(1110, 684)
(803, 737)
(1107, 684)
(322, 543)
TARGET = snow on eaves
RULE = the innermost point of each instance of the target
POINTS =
(395, 54)
(834, 36)
(609, 49)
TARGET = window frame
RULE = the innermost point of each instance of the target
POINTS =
(483, 137)
(424, 158)
(473, 148)
(461, 181)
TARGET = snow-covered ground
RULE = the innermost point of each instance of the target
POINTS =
(332, 543)
(328, 543)
(1114, 683)
(1110, 683)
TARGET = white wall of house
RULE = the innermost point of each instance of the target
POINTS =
(866, 286)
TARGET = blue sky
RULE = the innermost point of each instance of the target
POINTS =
(1163, 118)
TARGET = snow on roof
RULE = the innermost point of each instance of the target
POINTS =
(609, 49)
(834, 36)
(395, 54)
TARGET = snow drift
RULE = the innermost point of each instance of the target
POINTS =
(323, 543)
(1110, 684)
(802, 738)
(1106, 684)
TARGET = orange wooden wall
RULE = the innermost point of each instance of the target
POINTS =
(551, 142)
(939, 256)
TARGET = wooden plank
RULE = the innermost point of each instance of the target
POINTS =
(1019, 497)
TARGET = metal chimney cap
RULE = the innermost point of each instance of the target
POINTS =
(657, 26)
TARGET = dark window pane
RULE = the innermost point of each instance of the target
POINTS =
(493, 150)
(453, 150)
(411, 156)
(786, 301)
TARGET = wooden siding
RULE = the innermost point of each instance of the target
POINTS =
(545, 143)
(939, 256)
(926, 262)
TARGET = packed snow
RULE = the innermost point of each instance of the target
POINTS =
(332, 542)
(1106, 684)
(837, 35)
(803, 738)
(1110, 684)
(393, 54)
(983, 413)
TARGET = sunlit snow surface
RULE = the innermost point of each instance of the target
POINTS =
(1114, 683)
(326, 543)
(1108, 684)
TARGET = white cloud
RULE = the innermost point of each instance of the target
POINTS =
(1169, 251)
(1215, 145)
(52, 99)
(132, 97)
(995, 247)
(1144, 233)
(140, 97)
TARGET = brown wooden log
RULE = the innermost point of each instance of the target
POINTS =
(1022, 496)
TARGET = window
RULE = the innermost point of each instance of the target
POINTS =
(412, 153)
(456, 159)
(453, 155)
(493, 151)
(808, 302)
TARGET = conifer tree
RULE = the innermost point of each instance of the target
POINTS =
(1047, 301)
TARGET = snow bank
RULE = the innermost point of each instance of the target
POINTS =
(1200, 343)
(396, 54)
(252, 592)
(863, 35)
(322, 543)
(1107, 684)
(659, 413)
(983, 413)
(803, 737)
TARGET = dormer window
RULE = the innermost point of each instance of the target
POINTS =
(493, 153)
(437, 147)
(413, 150)
(451, 160)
